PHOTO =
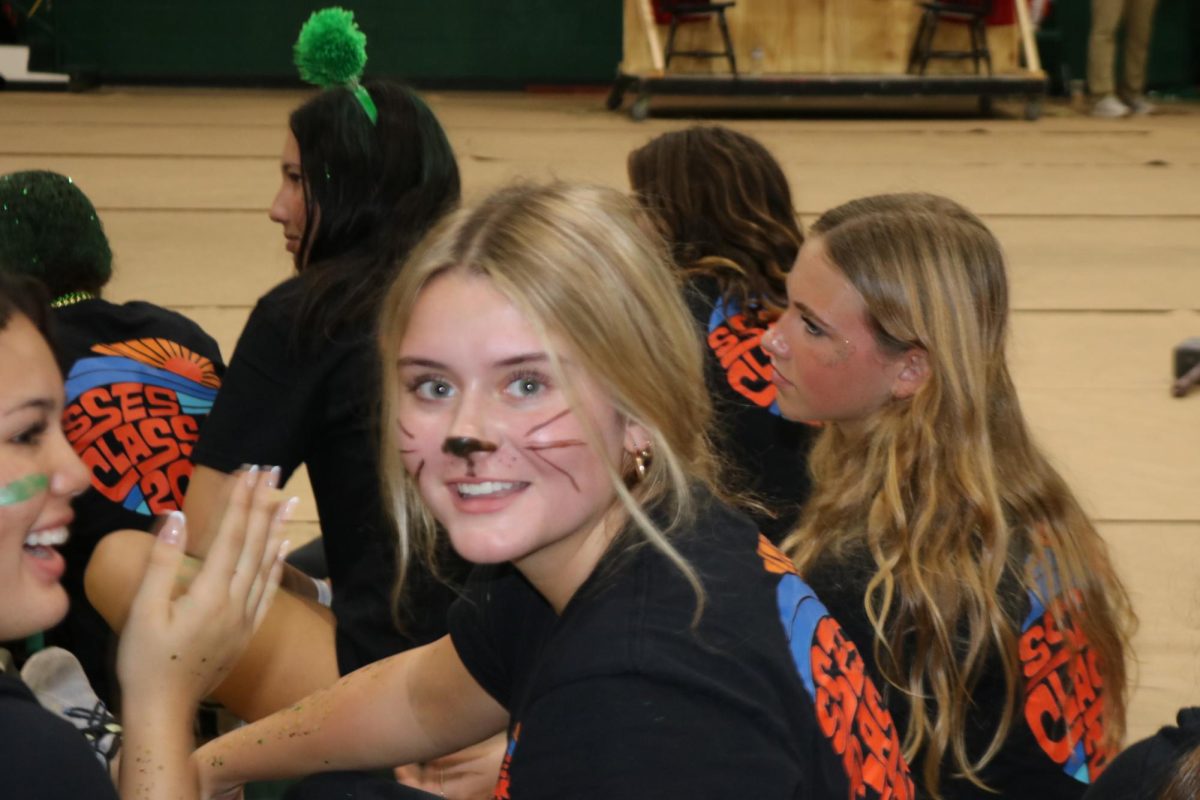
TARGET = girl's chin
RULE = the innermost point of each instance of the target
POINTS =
(33, 612)
(473, 551)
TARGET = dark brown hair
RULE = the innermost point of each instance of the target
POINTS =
(20, 295)
(371, 191)
(725, 208)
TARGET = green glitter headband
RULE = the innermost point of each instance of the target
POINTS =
(332, 51)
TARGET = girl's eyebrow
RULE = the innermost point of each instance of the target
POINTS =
(524, 358)
(428, 363)
(40, 403)
(415, 361)
(808, 312)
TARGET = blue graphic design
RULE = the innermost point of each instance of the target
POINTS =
(89, 373)
(1036, 607)
(800, 611)
(1076, 765)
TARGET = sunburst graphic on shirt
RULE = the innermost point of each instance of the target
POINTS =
(167, 355)
(133, 414)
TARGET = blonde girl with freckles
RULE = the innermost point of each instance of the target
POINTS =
(634, 635)
(938, 531)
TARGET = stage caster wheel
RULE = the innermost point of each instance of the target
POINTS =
(640, 109)
(1033, 109)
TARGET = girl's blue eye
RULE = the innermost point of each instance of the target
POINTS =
(525, 386)
(431, 388)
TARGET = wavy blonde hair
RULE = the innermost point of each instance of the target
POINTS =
(579, 263)
(946, 491)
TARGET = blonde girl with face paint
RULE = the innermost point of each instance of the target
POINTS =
(635, 636)
(938, 531)
(173, 651)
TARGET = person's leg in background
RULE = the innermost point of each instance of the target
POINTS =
(1102, 46)
(1139, 26)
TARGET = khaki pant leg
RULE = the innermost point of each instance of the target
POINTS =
(1139, 23)
(1102, 44)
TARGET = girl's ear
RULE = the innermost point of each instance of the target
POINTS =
(912, 375)
(637, 437)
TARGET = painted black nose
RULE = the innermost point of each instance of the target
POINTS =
(464, 446)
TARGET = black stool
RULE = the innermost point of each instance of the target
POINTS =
(678, 11)
(975, 14)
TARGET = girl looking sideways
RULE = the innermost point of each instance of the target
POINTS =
(938, 531)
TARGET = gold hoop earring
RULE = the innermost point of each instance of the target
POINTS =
(641, 461)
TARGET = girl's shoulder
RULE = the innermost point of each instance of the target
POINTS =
(43, 756)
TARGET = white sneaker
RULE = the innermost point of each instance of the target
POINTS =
(1110, 106)
(1140, 106)
(57, 679)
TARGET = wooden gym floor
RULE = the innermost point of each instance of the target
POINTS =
(1100, 219)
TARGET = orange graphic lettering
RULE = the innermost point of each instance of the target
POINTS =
(1064, 692)
(850, 713)
(735, 343)
(773, 558)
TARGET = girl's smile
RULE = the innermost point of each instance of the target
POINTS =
(39, 474)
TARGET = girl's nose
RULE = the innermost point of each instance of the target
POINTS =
(773, 342)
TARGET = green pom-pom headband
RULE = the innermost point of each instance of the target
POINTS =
(332, 51)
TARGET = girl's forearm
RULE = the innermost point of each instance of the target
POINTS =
(411, 707)
(157, 743)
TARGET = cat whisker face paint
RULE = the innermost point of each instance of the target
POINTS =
(536, 447)
(506, 463)
(406, 437)
(39, 473)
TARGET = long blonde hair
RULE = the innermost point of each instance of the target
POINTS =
(945, 492)
(580, 264)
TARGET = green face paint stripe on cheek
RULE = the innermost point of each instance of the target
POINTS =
(22, 489)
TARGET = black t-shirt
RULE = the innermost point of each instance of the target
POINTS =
(41, 756)
(1142, 771)
(768, 452)
(140, 381)
(289, 400)
(1055, 745)
(622, 698)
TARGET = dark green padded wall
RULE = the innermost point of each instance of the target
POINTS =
(463, 40)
